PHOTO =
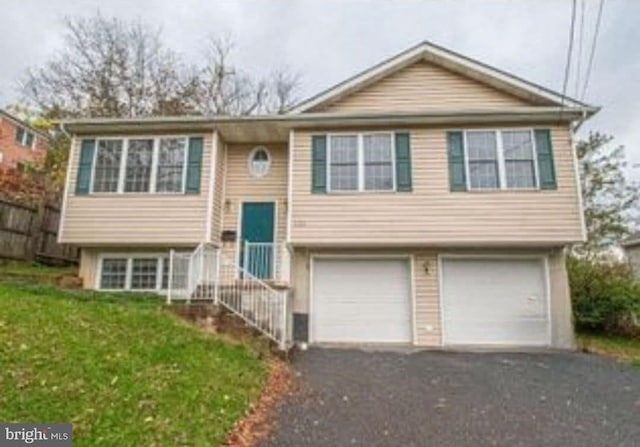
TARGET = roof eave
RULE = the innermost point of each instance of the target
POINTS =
(454, 116)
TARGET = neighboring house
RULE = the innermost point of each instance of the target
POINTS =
(20, 143)
(425, 201)
(631, 247)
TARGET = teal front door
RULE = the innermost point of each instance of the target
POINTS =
(256, 238)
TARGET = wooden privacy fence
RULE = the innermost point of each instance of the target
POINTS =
(30, 233)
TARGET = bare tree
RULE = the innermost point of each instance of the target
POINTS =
(225, 89)
(110, 68)
(281, 94)
(114, 68)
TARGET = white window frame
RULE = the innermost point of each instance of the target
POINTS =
(123, 165)
(123, 155)
(361, 180)
(502, 171)
(252, 154)
(155, 156)
(159, 256)
(23, 141)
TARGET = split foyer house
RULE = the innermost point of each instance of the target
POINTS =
(427, 200)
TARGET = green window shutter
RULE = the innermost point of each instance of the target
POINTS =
(319, 164)
(194, 165)
(83, 180)
(403, 161)
(546, 168)
(457, 173)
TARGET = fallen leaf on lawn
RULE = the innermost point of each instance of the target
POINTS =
(255, 426)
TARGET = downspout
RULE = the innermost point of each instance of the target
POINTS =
(64, 131)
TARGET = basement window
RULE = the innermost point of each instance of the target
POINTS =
(113, 273)
(138, 272)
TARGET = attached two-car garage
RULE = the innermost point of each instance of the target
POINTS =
(482, 301)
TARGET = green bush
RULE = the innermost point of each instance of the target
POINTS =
(605, 297)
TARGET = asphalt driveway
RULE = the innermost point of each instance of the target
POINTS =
(364, 398)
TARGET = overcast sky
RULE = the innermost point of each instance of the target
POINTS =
(329, 40)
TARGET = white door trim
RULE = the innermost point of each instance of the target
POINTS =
(239, 241)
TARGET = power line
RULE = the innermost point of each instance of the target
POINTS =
(567, 68)
(593, 50)
(580, 40)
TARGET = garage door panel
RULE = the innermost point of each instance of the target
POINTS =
(489, 301)
(361, 300)
(500, 333)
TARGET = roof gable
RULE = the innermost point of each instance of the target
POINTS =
(454, 63)
(423, 86)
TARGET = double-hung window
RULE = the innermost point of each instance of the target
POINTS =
(137, 176)
(343, 156)
(171, 161)
(519, 159)
(106, 173)
(501, 159)
(482, 156)
(361, 162)
(138, 165)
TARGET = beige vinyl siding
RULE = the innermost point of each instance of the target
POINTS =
(427, 329)
(423, 86)
(431, 214)
(137, 218)
(240, 187)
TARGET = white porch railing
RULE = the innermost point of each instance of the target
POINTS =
(204, 275)
(257, 303)
(193, 275)
(266, 260)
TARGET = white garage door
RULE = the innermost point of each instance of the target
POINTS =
(494, 302)
(361, 301)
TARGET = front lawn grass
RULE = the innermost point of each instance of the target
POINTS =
(124, 372)
(32, 271)
(624, 349)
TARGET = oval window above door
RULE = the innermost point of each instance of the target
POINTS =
(259, 162)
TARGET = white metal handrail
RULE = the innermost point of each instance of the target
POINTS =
(203, 275)
(259, 258)
(253, 300)
(266, 260)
